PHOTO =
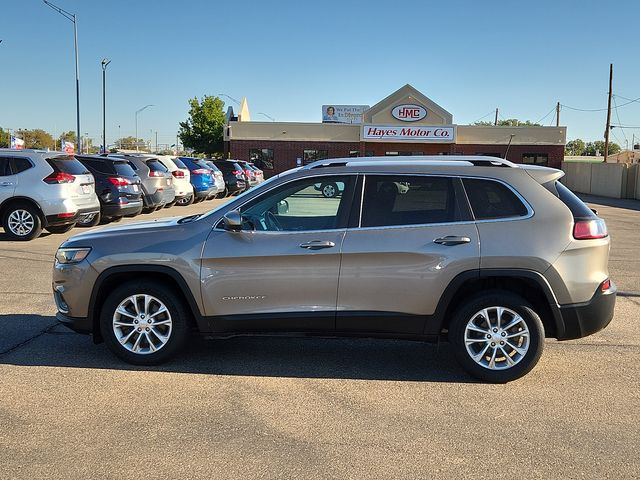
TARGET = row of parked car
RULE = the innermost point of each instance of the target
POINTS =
(55, 191)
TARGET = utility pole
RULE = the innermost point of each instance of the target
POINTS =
(558, 114)
(608, 128)
(156, 141)
(495, 122)
(104, 64)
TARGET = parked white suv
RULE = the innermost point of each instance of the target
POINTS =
(40, 189)
(181, 178)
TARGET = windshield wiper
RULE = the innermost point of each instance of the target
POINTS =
(190, 218)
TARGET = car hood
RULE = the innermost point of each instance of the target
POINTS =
(136, 227)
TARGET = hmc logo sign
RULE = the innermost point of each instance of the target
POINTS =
(409, 112)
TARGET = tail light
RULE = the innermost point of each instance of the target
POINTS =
(178, 173)
(67, 215)
(590, 229)
(200, 171)
(59, 177)
(119, 181)
(156, 173)
(606, 285)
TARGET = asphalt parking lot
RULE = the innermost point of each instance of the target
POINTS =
(311, 408)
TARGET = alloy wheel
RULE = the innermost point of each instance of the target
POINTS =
(142, 324)
(21, 222)
(329, 191)
(497, 338)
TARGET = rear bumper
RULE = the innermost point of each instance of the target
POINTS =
(582, 319)
(204, 192)
(53, 220)
(121, 209)
(77, 324)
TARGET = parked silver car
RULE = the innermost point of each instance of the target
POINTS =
(157, 181)
(490, 255)
(41, 189)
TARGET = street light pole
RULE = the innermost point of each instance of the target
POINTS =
(104, 64)
(72, 17)
(137, 112)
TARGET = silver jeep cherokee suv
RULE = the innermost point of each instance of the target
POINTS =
(491, 255)
(43, 189)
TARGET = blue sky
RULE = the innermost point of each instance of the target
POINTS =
(288, 58)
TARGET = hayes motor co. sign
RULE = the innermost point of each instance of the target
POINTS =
(422, 133)
(409, 112)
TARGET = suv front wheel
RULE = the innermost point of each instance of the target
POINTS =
(497, 336)
(144, 322)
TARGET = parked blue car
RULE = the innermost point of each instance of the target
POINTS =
(202, 179)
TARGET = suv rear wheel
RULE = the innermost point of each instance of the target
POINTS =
(144, 322)
(21, 221)
(497, 336)
(329, 190)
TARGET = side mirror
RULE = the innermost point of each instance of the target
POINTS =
(232, 221)
(282, 207)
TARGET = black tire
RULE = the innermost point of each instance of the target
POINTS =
(60, 228)
(91, 223)
(116, 219)
(178, 311)
(183, 202)
(497, 298)
(148, 210)
(329, 190)
(34, 221)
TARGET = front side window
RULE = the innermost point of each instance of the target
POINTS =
(301, 206)
(410, 200)
(492, 200)
(5, 169)
(311, 156)
(262, 158)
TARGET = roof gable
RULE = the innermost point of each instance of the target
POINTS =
(380, 113)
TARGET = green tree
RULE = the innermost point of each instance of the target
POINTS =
(4, 138)
(592, 148)
(575, 147)
(509, 122)
(203, 130)
(36, 138)
(129, 143)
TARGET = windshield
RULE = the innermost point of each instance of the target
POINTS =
(264, 185)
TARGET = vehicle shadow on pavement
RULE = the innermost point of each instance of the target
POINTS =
(628, 204)
(298, 357)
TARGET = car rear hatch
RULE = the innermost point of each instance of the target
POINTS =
(72, 179)
(126, 181)
(164, 179)
(205, 171)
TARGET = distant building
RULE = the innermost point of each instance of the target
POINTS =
(404, 123)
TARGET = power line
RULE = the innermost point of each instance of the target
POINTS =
(615, 106)
(602, 109)
(550, 112)
(484, 116)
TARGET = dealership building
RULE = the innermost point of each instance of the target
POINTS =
(404, 123)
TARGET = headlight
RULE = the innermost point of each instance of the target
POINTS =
(67, 256)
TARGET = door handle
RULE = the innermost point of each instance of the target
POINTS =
(452, 240)
(6, 184)
(317, 244)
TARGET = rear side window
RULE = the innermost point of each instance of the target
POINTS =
(157, 166)
(67, 165)
(577, 206)
(179, 163)
(100, 166)
(213, 166)
(409, 200)
(202, 164)
(19, 165)
(491, 200)
(123, 168)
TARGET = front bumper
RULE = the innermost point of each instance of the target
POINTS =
(79, 325)
(582, 319)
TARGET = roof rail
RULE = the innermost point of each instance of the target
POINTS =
(476, 160)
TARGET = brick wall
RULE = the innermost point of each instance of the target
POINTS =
(286, 153)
